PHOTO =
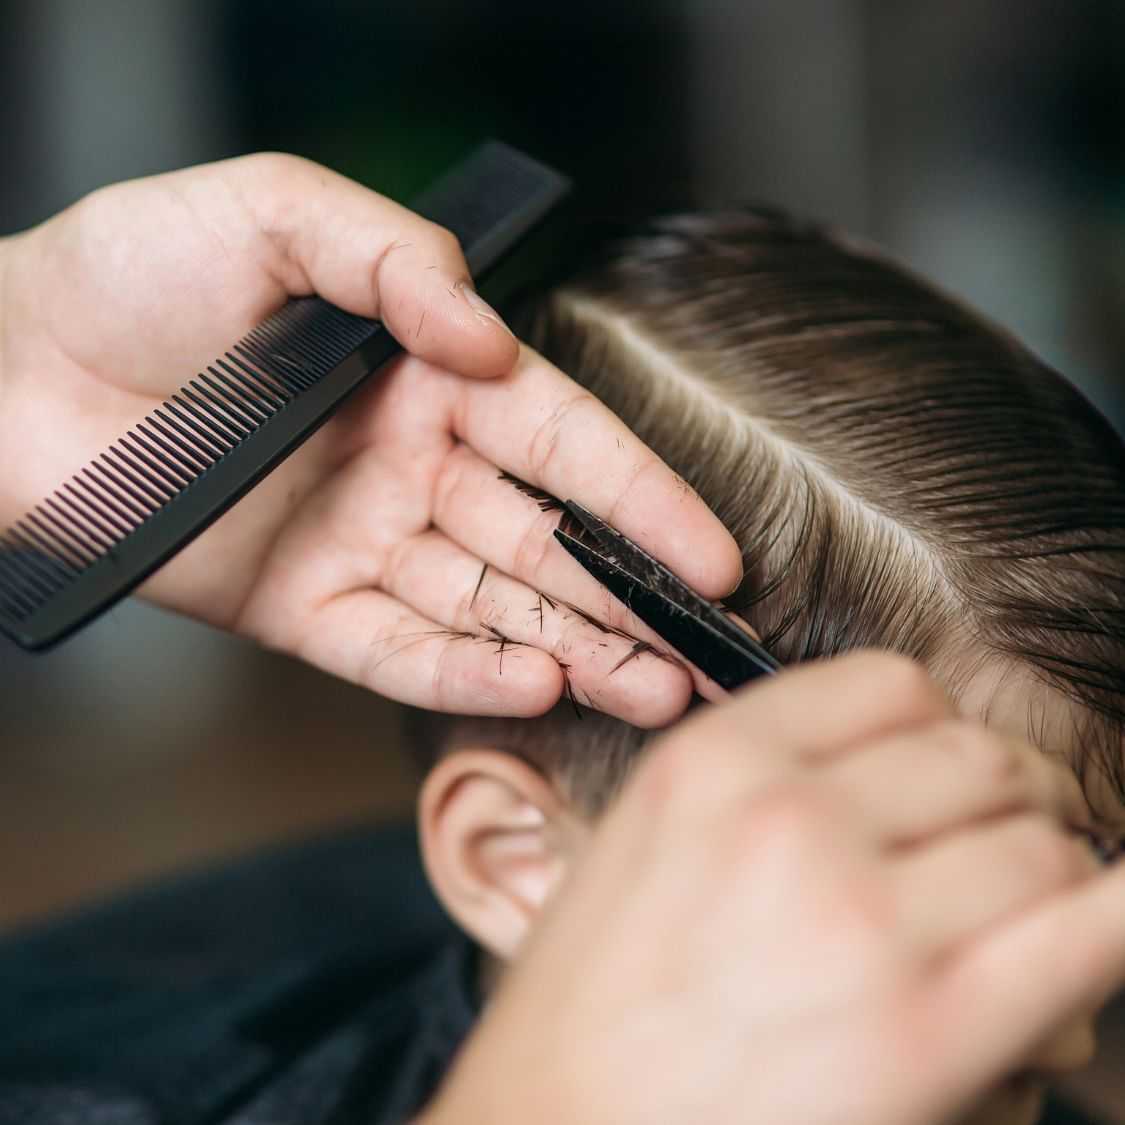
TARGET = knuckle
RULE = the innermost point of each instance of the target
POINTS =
(900, 679)
(646, 464)
(545, 441)
(91, 207)
(273, 165)
(442, 691)
(789, 814)
(443, 241)
(907, 681)
(447, 483)
(996, 760)
(398, 563)
(93, 215)
(533, 548)
(468, 612)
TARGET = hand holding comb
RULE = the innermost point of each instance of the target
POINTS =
(141, 501)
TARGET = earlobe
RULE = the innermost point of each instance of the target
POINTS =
(495, 839)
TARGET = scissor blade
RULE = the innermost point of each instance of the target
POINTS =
(727, 663)
(652, 574)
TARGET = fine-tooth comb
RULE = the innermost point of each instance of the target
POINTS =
(99, 535)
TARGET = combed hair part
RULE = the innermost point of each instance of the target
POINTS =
(898, 472)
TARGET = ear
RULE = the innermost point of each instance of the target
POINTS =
(496, 838)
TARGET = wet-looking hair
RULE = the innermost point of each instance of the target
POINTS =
(898, 472)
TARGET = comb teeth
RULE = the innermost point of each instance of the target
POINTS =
(86, 519)
(101, 533)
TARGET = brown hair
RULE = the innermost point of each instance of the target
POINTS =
(898, 472)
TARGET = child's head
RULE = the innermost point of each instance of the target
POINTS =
(899, 474)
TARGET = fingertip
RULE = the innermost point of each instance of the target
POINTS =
(450, 325)
(647, 689)
(715, 562)
(527, 684)
(488, 317)
(487, 347)
(663, 708)
(476, 352)
(711, 553)
(491, 348)
(667, 517)
(706, 688)
(376, 258)
(728, 569)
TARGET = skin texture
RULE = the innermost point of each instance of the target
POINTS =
(363, 553)
(969, 818)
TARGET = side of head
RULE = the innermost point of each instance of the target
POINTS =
(899, 474)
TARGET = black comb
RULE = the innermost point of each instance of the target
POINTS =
(99, 535)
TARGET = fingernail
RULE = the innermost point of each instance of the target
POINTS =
(480, 306)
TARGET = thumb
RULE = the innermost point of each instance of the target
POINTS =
(376, 258)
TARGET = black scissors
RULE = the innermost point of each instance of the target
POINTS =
(694, 627)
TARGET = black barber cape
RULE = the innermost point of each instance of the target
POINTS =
(315, 985)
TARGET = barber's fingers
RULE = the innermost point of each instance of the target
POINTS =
(371, 256)
(493, 520)
(606, 670)
(775, 726)
(950, 891)
(929, 780)
(526, 419)
(373, 640)
(514, 532)
(989, 1007)
(540, 426)
(829, 707)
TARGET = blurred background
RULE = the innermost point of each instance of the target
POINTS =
(980, 142)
